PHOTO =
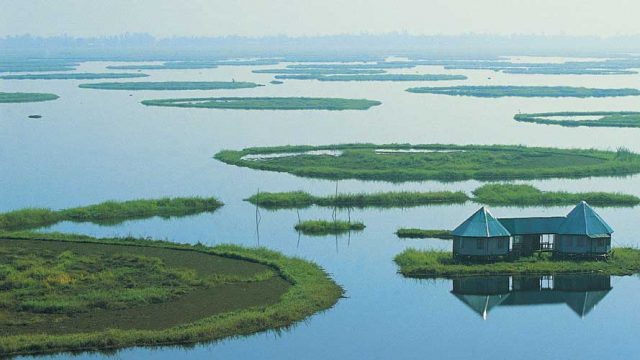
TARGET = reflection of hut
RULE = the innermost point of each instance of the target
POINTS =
(481, 236)
(583, 232)
(581, 293)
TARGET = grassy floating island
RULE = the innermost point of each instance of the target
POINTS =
(525, 91)
(323, 227)
(430, 264)
(26, 97)
(171, 85)
(380, 77)
(73, 76)
(527, 195)
(110, 212)
(413, 233)
(59, 292)
(193, 64)
(300, 199)
(312, 72)
(406, 162)
(267, 103)
(588, 118)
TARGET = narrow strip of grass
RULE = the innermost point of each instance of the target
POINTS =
(267, 103)
(407, 162)
(110, 212)
(311, 291)
(413, 233)
(379, 77)
(300, 199)
(171, 85)
(26, 97)
(525, 91)
(323, 227)
(624, 119)
(316, 72)
(527, 195)
(424, 263)
(73, 76)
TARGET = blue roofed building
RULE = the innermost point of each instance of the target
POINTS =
(581, 233)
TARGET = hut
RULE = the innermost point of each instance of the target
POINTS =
(481, 236)
(583, 233)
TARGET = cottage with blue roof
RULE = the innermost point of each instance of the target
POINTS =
(582, 233)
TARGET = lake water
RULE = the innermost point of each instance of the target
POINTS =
(97, 145)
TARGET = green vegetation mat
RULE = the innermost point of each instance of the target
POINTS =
(193, 65)
(300, 199)
(405, 162)
(424, 263)
(110, 212)
(595, 118)
(72, 293)
(267, 103)
(73, 76)
(315, 72)
(412, 233)
(527, 195)
(32, 65)
(171, 85)
(525, 91)
(26, 97)
(323, 227)
(381, 77)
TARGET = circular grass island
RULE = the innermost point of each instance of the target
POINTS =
(266, 103)
(76, 293)
(626, 119)
(406, 162)
(20, 97)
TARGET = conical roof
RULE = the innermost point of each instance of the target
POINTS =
(583, 220)
(482, 304)
(481, 224)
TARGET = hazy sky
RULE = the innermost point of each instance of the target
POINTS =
(165, 18)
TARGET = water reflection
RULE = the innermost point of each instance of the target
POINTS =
(581, 293)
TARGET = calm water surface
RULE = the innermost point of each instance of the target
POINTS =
(97, 145)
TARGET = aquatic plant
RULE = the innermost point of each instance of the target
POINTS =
(26, 97)
(571, 119)
(525, 91)
(73, 76)
(406, 162)
(324, 227)
(381, 77)
(430, 263)
(267, 103)
(413, 233)
(171, 85)
(527, 195)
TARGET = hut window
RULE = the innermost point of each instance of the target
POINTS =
(480, 243)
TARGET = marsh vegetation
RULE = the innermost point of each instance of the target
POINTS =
(584, 118)
(405, 162)
(525, 91)
(325, 227)
(380, 77)
(21, 97)
(267, 103)
(171, 85)
(414, 233)
(73, 76)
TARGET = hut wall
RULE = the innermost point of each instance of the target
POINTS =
(471, 246)
(584, 245)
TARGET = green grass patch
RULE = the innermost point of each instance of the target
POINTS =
(73, 76)
(194, 64)
(267, 103)
(527, 195)
(318, 72)
(406, 162)
(323, 227)
(72, 293)
(36, 65)
(300, 199)
(413, 233)
(624, 119)
(525, 91)
(171, 85)
(110, 212)
(26, 97)
(424, 263)
(380, 77)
